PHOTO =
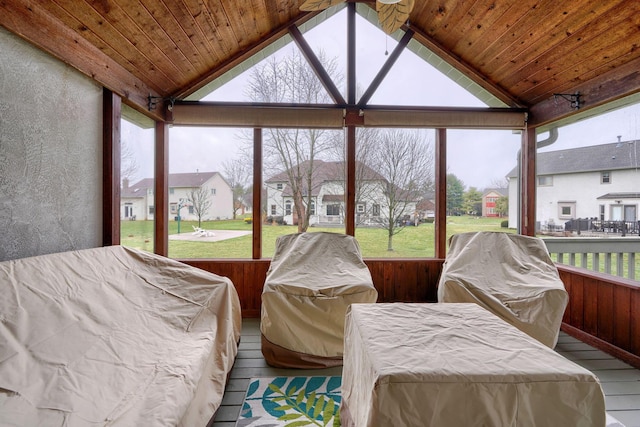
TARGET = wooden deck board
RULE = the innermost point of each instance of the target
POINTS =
(620, 382)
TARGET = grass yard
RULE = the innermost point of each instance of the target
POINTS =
(409, 243)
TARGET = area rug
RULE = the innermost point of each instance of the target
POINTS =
(291, 402)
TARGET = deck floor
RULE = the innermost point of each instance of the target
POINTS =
(620, 382)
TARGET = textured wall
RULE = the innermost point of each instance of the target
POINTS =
(50, 154)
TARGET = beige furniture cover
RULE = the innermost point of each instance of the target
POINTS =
(443, 365)
(510, 275)
(312, 280)
(113, 336)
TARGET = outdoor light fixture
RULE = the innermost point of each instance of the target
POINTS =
(573, 98)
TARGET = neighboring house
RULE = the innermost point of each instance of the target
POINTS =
(328, 198)
(426, 207)
(599, 181)
(489, 199)
(137, 201)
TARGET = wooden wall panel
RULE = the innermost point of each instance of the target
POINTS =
(605, 311)
(621, 316)
(634, 323)
(400, 280)
(590, 307)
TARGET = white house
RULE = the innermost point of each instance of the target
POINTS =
(137, 201)
(328, 198)
(599, 181)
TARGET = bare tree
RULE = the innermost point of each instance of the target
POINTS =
(128, 162)
(405, 159)
(236, 172)
(291, 80)
(201, 202)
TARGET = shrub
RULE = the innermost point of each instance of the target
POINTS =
(505, 223)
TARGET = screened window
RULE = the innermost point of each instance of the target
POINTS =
(545, 181)
(333, 210)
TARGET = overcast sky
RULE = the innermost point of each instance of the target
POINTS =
(478, 158)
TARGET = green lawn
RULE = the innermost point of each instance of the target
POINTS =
(410, 242)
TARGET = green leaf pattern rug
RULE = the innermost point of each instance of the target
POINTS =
(291, 402)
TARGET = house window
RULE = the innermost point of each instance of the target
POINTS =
(273, 209)
(171, 190)
(375, 210)
(333, 210)
(545, 181)
(605, 177)
(152, 210)
(287, 207)
(566, 209)
(173, 208)
(601, 212)
(312, 207)
(191, 210)
(213, 191)
(360, 208)
(279, 186)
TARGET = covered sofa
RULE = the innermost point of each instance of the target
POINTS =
(312, 279)
(510, 275)
(113, 336)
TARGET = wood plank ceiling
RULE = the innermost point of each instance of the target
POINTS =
(523, 51)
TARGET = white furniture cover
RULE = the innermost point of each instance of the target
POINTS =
(113, 336)
(510, 275)
(443, 365)
(312, 279)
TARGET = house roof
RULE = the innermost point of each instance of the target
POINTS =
(501, 191)
(522, 53)
(324, 172)
(176, 180)
(605, 157)
(628, 195)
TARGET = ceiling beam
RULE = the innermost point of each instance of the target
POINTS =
(316, 65)
(607, 87)
(36, 26)
(465, 69)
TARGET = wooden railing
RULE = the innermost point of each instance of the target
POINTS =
(603, 311)
(610, 255)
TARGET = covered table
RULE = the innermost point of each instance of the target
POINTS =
(312, 280)
(510, 275)
(457, 365)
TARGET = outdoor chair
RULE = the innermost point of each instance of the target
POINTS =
(510, 275)
(312, 280)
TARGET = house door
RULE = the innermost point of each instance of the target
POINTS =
(128, 210)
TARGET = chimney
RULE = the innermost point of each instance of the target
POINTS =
(619, 138)
(125, 183)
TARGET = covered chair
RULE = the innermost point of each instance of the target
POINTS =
(312, 280)
(510, 275)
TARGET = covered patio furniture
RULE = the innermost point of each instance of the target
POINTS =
(312, 280)
(510, 275)
(443, 365)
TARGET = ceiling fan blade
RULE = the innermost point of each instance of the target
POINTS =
(313, 5)
(393, 16)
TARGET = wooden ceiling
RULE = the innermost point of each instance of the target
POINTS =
(522, 51)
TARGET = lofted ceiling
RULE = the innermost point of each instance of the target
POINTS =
(521, 51)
